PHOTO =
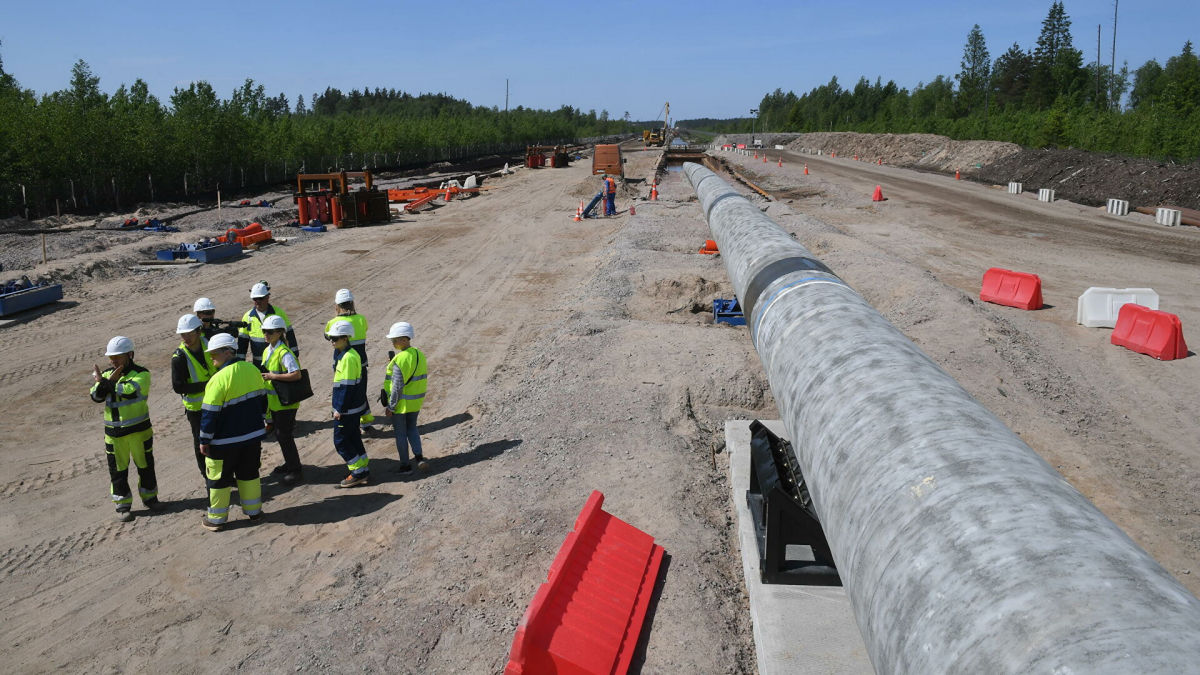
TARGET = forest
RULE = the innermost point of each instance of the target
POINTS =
(83, 150)
(1046, 96)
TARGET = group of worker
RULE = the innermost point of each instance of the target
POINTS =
(237, 389)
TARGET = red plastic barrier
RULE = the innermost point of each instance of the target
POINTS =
(1013, 289)
(588, 615)
(1149, 331)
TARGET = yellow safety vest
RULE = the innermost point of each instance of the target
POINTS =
(407, 371)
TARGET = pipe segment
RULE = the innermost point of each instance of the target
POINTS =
(960, 548)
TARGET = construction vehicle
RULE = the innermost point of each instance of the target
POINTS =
(336, 204)
(607, 159)
(657, 137)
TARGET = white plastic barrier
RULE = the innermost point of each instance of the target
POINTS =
(1169, 217)
(1118, 207)
(1045, 195)
(1015, 188)
(779, 147)
(1099, 307)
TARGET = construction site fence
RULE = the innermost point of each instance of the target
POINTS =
(38, 198)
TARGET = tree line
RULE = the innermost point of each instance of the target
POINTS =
(1046, 96)
(83, 150)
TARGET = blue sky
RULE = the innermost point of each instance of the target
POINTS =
(709, 59)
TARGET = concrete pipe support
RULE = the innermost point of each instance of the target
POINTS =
(961, 549)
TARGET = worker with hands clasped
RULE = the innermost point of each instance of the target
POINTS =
(404, 392)
(251, 334)
(125, 389)
(349, 403)
(344, 303)
(191, 367)
(232, 425)
(281, 365)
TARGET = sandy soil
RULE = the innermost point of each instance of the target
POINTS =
(564, 357)
(1120, 426)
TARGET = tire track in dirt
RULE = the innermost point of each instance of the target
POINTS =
(32, 558)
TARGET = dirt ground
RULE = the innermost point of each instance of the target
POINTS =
(564, 358)
(1120, 426)
(1084, 177)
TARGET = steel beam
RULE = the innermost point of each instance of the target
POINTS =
(960, 548)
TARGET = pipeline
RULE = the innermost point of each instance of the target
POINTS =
(961, 549)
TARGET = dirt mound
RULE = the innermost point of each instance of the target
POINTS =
(922, 151)
(1092, 178)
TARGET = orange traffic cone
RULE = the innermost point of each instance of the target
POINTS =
(632, 210)
(856, 158)
(880, 162)
(654, 192)
(781, 160)
(764, 158)
(878, 196)
(957, 176)
(806, 169)
(577, 218)
(755, 154)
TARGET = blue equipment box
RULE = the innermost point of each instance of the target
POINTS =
(11, 303)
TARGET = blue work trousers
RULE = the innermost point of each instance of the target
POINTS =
(347, 440)
(404, 426)
(610, 204)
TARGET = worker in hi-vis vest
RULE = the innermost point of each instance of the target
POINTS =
(344, 303)
(404, 393)
(610, 195)
(349, 402)
(232, 424)
(125, 390)
(281, 365)
(191, 366)
(251, 335)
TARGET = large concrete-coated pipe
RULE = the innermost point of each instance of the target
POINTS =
(961, 550)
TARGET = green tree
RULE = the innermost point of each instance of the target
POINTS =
(975, 74)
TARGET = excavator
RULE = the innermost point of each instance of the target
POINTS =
(656, 137)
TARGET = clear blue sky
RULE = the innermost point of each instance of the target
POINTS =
(709, 59)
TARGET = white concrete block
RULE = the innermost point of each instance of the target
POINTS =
(1099, 307)
(1118, 207)
(1015, 188)
(1168, 217)
(1045, 195)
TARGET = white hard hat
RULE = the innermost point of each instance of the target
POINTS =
(204, 305)
(400, 329)
(274, 322)
(260, 290)
(343, 295)
(340, 328)
(119, 345)
(188, 323)
(222, 341)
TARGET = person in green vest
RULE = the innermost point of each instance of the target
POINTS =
(344, 303)
(250, 336)
(281, 365)
(404, 393)
(191, 366)
(124, 389)
(232, 424)
(349, 402)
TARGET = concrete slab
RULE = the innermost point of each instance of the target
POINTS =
(798, 630)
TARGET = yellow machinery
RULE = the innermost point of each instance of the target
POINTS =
(656, 137)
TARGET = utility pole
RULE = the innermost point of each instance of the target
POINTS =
(506, 94)
(1098, 66)
(1113, 66)
(753, 111)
